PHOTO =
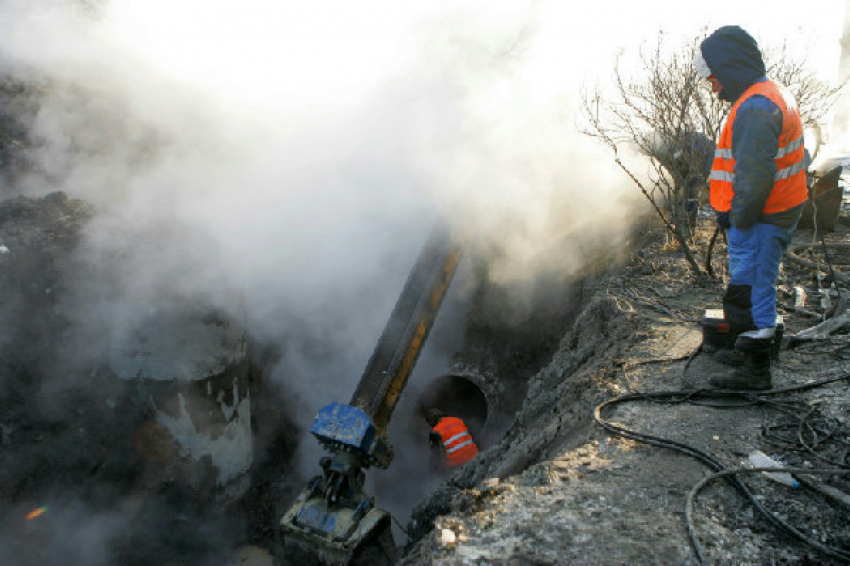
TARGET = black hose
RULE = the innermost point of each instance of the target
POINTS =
(828, 550)
(711, 462)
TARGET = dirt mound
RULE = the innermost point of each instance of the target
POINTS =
(560, 489)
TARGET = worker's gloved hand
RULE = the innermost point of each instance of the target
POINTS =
(723, 220)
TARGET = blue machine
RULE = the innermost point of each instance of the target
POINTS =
(343, 428)
(333, 520)
(346, 425)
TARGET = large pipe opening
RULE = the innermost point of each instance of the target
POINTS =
(459, 396)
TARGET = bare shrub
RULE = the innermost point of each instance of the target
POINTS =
(663, 112)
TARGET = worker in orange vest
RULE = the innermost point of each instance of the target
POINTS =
(451, 436)
(758, 187)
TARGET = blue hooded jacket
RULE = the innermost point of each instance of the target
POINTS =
(733, 56)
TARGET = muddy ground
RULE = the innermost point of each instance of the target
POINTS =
(560, 489)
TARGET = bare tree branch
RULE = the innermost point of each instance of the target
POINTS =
(669, 115)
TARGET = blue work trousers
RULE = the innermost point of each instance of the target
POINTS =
(754, 257)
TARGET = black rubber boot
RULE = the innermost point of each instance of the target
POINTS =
(733, 356)
(729, 357)
(754, 373)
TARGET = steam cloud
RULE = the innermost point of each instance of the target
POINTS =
(317, 142)
(316, 146)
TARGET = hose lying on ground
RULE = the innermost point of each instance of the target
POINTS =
(749, 398)
(836, 553)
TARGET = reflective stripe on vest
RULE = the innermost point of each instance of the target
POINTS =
(457, 442)
(789, 183)
(446, 443)
(459, 446)
(721, 175)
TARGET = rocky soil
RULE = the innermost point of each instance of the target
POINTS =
(560, 489)
(557, 488)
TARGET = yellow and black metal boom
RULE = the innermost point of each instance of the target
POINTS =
(333, 520)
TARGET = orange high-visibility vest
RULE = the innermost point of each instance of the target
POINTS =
(789, 184)
(457, 442)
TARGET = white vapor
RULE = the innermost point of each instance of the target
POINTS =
(317, 142)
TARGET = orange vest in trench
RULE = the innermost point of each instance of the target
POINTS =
(457, 442)
(789, 185)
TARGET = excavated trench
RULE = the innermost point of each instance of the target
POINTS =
(462, 396)
(167, 442)
(145, 424)
(479, 372)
